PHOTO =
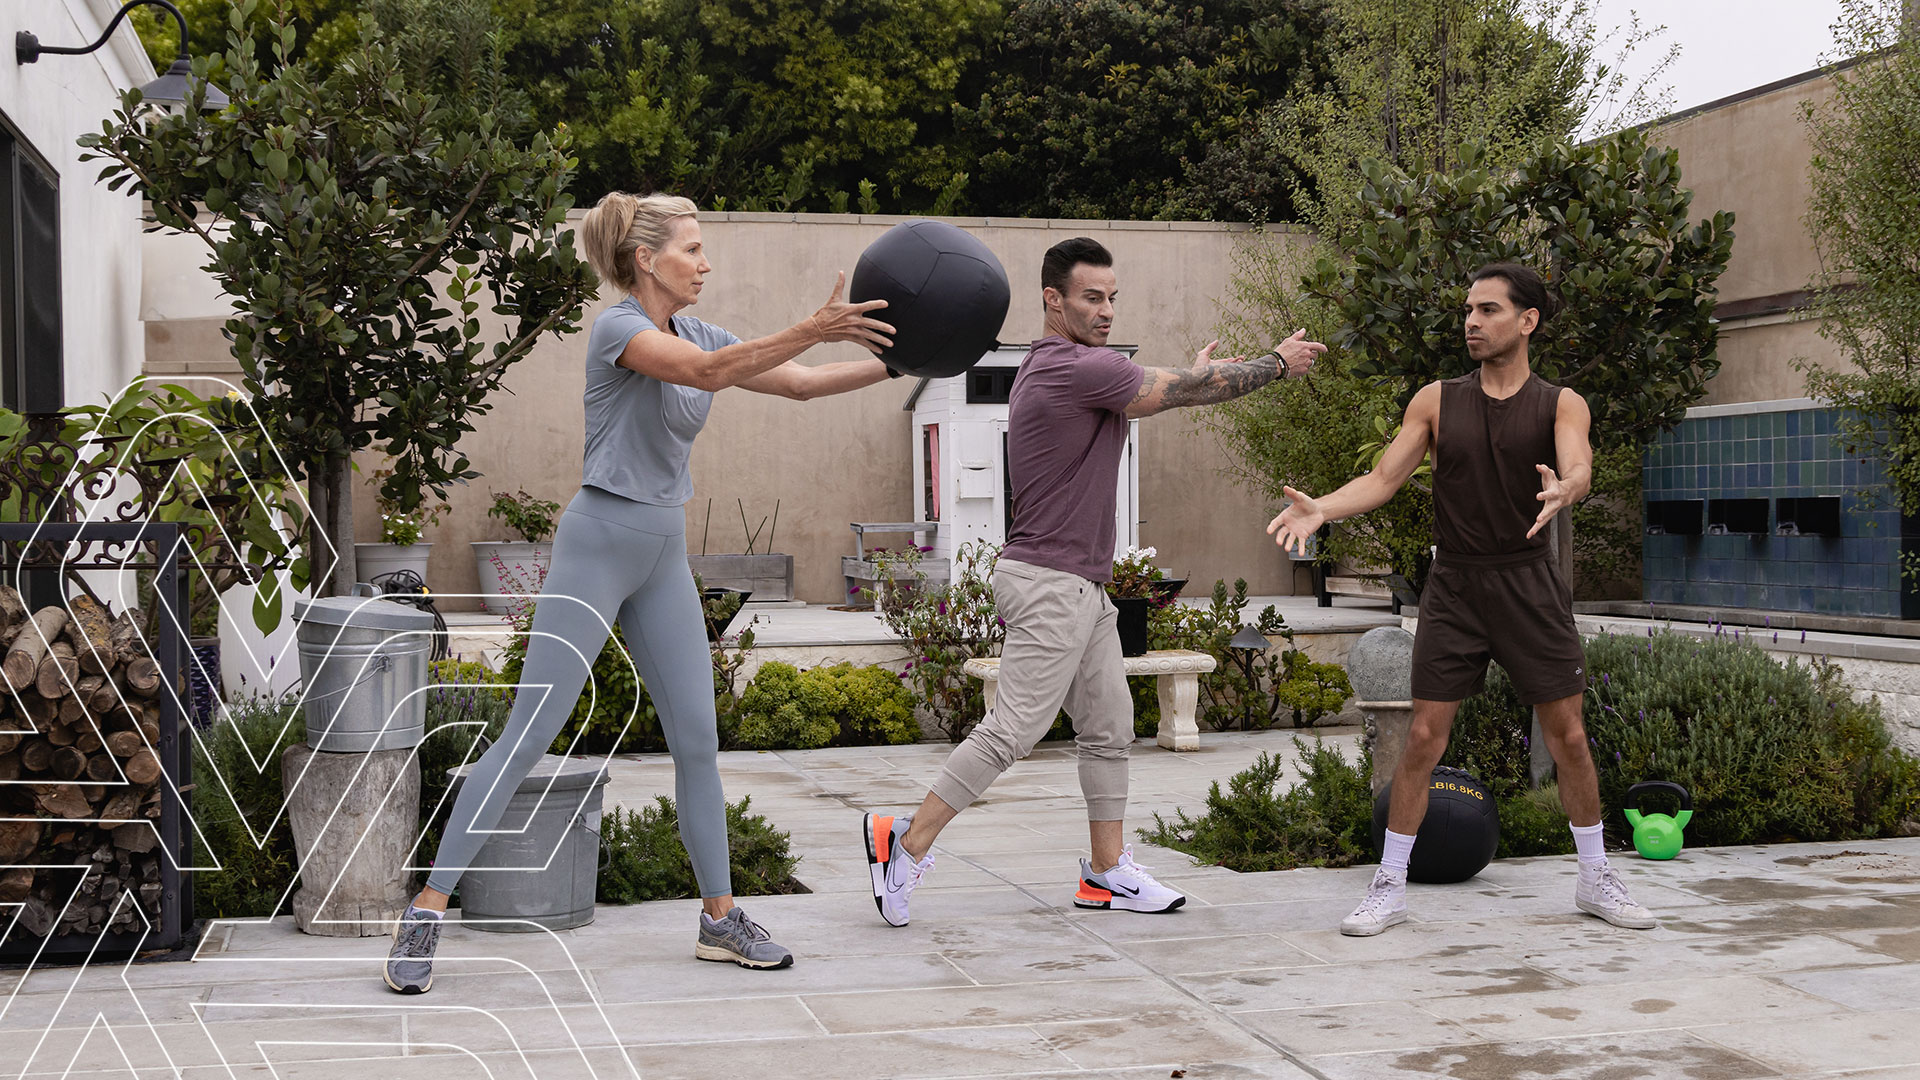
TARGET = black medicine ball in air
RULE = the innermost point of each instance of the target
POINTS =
(1458, 836)
(946, 296)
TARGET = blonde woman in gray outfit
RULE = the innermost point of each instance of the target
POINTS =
(620, 551)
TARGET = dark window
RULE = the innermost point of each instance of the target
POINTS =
(990, 385)
(1675, 517)
(30, 361)
(1738, 517)
(1816, 515)
(930, 463)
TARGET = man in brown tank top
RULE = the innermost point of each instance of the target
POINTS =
(1510, 451)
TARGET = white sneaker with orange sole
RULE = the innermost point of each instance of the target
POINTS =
(1125, 887)
(895, 873)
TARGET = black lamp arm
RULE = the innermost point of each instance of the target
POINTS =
(27, 48)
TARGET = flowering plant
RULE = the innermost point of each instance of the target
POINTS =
(944, 626)
(531, 517)
(399, 526)
(1135, 576)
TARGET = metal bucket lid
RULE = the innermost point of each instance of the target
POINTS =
(361, 612)
(567, 773)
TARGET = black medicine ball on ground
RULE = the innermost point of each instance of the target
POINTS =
(946, 296)
(1458, 836)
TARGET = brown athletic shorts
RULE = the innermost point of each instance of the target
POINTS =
(1478, 609)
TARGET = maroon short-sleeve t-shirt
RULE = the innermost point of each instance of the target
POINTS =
(1066, 430)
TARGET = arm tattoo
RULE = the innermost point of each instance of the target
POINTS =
(1219, 382)
(1146, 387)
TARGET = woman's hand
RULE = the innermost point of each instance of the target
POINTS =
(838, 320)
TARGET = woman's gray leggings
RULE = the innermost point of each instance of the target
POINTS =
(612, 558)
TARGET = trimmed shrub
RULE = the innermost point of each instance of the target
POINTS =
(1310, 688)
(1533, 823)
(238, 807)
(1770, 752)
(785, 708)
(614, 713)
(1324, 820)
(879, 706)
(464, 704)
(646, 860)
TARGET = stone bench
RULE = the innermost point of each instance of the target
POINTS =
(1178, 670)
(1355, 586)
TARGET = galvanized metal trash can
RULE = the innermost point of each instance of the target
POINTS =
(542, 862)
(363, 665)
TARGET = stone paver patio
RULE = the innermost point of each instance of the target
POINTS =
(1793, 960)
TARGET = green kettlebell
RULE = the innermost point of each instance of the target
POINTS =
(1657, 836)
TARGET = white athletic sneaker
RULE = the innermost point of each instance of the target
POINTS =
(1385, 905)
(1600, 892)
(1125, 887)
(895, 874)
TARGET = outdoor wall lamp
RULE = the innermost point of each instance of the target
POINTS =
(168, 89)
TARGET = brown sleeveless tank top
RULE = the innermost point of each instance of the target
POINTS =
(1484, 480)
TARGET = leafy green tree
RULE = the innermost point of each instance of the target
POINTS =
(775, 104)
(1609, 226)
(1406, 84)
(323, 30)
(1307, 433)
(355, 220)
(1138, 108)
(1412, 80)
(1864, 215)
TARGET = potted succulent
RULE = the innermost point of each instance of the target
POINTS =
(1139, 587)
(504, 565)
(720, 605)
(399, 547)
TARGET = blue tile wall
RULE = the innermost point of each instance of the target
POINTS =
(1775, 455)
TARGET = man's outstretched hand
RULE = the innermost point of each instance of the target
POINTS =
(1555, 493)
(1295, 526)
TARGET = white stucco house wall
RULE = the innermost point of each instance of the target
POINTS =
(44, 108)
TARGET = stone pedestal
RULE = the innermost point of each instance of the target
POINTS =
(354, 819)
(1380, 667)
(1539, 755)
(1387, 724)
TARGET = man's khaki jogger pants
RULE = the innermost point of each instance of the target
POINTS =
(1062, 649)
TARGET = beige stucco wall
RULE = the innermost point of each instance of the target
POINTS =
(832, 460)
(1751, 157)
(1757, 359)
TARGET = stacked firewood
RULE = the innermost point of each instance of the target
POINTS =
(81, 717)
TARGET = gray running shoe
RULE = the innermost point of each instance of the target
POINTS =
(739, 940)
(409, 968)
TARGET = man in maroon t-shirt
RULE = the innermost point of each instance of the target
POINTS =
(1065, 433)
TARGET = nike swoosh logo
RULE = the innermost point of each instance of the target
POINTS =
(1115, 887)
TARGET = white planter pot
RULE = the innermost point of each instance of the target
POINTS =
(524, 565)
(372, 560)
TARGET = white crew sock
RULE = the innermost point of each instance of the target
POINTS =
(423, 913)
(1396, 853)
(1589, 842)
